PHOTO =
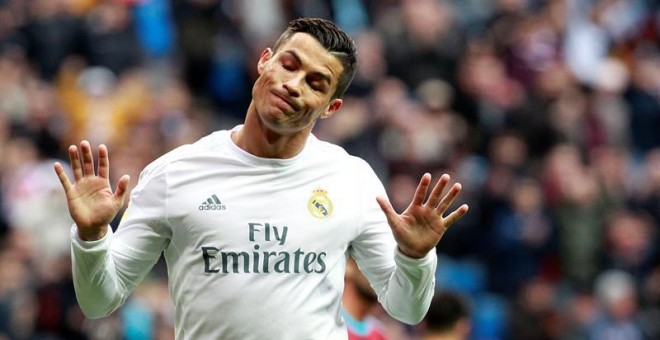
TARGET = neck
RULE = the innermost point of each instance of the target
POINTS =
(261, 141)
(355, 305)
(460, 331)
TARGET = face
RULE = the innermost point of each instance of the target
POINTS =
(296, 84)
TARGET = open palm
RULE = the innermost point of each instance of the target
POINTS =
(92, 204)
(420, 227)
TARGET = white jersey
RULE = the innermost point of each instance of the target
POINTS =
(255, 248)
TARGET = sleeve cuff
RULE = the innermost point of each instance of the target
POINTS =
(90, 245)
(405, 260)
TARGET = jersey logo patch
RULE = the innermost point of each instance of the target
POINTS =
(319, 205)
(212, 203)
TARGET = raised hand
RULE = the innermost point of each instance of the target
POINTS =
(92, 204)
(420, 227)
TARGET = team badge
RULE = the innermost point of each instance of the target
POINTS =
(319, 205)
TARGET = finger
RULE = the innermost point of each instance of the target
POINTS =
(87, 158)
(122, 188)
(61, 174)
(387, 208)
(436, 193)
(456, 215)
(448, 200)
(104, 162)
(74, 159)
(422, 188)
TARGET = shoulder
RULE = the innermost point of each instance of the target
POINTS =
(335, 154)
(202, 146)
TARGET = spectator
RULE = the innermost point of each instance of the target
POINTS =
(617, 295)
(629, 243)
(52, 34)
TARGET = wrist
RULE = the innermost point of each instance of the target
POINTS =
(411, 254)
(94, 234)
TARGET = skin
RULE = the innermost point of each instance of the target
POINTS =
(293, 91)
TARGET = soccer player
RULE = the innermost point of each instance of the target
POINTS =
(255, 223)
(448, 318)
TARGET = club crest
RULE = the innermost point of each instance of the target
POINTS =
(319, 205)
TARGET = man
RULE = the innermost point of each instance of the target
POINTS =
(358, 303)
(255, 223)
(448, 318)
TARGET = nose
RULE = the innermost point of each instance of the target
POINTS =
(293, 86)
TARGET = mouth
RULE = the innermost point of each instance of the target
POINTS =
(283, 102)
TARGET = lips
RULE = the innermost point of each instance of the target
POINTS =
(285, 100)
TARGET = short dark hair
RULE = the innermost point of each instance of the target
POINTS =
(333, 39)
(446, 309)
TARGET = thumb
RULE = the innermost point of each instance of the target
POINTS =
(122, 188)
(387, 208)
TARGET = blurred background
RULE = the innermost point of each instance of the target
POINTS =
(547, 111)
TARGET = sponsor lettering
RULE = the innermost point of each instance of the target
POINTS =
(257, 261)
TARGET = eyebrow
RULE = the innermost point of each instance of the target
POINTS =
(324, 76)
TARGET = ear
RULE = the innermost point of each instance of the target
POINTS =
(334, 106)
(263, 59)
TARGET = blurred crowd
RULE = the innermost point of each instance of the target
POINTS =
(547, 111)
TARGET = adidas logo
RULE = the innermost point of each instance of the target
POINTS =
(212, 203)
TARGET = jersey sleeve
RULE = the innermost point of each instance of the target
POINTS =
(106, 271)
(404, 285)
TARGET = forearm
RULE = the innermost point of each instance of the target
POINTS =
(94, 276)
(410, 288)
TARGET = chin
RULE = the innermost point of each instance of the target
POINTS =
(275, 125)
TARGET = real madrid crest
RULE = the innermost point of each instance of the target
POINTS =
(319, 205)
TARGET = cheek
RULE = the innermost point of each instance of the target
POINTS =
(265, 77)
(314, 114)
(260, 87)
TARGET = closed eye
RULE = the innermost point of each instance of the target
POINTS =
(288, 66)
(316, 87)
(289, 63)
(317, 84)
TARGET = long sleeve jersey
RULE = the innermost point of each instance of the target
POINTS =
(255, 248)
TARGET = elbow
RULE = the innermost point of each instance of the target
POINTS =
(94, 312)
(409, 312)
(93, 303)
(411, 320)
(415, 321)
(412, 315)
(95, 307)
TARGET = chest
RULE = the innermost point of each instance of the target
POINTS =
(257, 209)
